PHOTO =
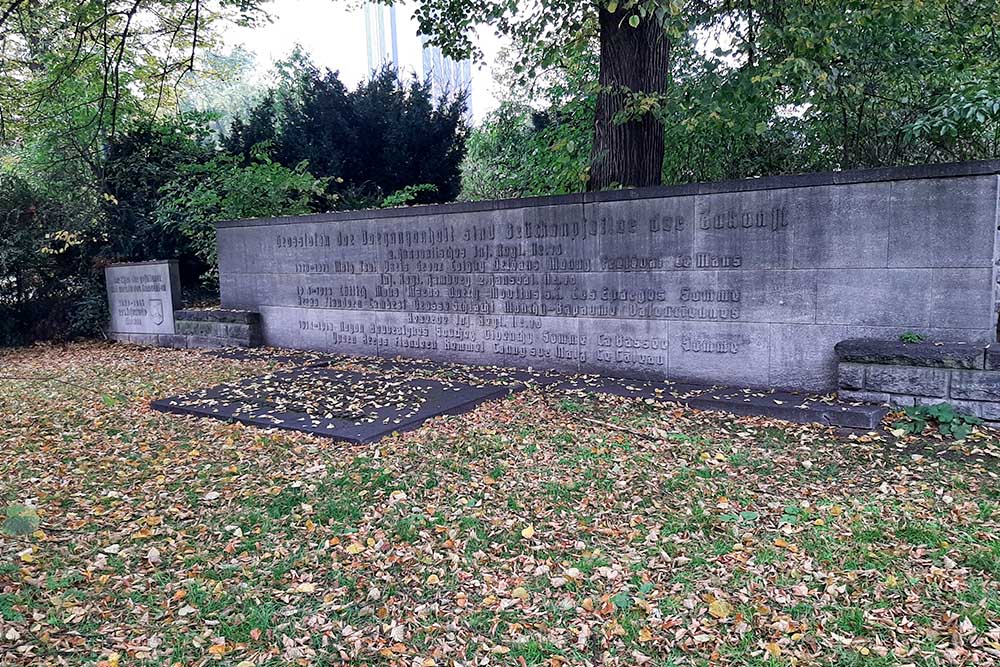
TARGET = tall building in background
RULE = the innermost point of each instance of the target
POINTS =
(381, 36)
(391, 38)
(446, 75)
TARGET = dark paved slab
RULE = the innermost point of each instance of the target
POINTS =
(475, 375)
(364, 399)
(342, 405)
(789, 406)
(278, 356)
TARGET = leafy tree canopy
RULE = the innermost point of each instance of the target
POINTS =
(763, 88)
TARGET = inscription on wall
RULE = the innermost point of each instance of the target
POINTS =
(142, 297)
(718, 288)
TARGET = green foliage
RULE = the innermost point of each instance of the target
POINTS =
(790, 88)
(407, 195)
(82, 158)
(385, 136)
(881, 82)
(43, 267)
(21, 520)
(948, 421)
(73, 70)
(521, 151)
(518, 152)
(139, 163)
(225, 189)
(912, 337)
(792, 515)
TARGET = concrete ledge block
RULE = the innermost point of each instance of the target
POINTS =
(225, 315)
(214, 342)
(899, 400)
(227, 330)
(863, 396)
(135, 338)
(850, 376)
(197, 328)
(926, 354)
(976, 385)
(990, 411)
(993, 357)
(908, 380)
(177, 341)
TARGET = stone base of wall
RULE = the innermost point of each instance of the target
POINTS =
(204, 329)
(965, 375)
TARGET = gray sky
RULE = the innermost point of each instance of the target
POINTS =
(333, 33)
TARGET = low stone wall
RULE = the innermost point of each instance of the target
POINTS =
(966, 375)
(219, 328)
(203, 329)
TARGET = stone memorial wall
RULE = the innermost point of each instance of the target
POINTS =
(747, 283)
(142, 298)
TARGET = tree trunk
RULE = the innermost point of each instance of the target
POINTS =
(633, 60)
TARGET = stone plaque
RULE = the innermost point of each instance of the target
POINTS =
(748, 283)
(143, 296)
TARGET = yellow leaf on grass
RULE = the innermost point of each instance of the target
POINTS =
(528, 532)
(354, 548)
(779, 542)
(773, 649)
(521, 593)
(433, 579)
(645, 635)
(306, 587)
(218, 649)
(720, 609)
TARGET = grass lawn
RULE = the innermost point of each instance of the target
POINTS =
(544, 529)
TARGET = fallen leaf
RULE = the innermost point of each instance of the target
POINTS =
(720, 609)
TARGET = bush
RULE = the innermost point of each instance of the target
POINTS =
(387, 135)
(45, 273)
(223, 189)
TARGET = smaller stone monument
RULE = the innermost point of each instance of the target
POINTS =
(142, 297)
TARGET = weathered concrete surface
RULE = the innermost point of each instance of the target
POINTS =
(142, 298)
(896, 353)
(749, 283)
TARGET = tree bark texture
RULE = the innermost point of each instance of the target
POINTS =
(633, 60)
